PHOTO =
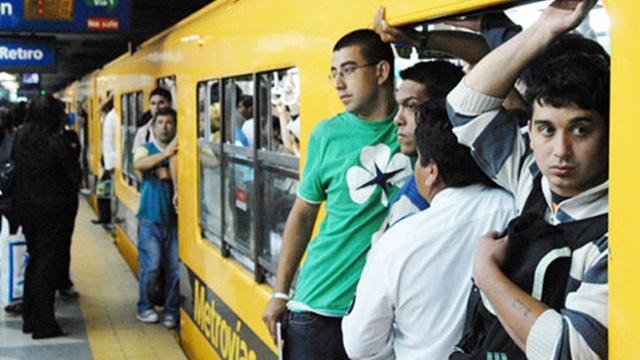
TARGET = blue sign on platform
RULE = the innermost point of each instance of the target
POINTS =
(86, 16)
(24, 54)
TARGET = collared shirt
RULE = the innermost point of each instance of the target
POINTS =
(411, 298)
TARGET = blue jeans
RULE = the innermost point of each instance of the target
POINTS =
(158, 247)
(313, 337)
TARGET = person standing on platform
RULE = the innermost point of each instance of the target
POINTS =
(109, 127)
(354, 164)
(48, 175)
(158, 239)
(65, 284)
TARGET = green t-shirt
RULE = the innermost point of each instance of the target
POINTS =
(356, 167)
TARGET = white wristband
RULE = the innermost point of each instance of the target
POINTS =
(279, 295)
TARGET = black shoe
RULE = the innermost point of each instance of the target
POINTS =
(48, 334)
(69, 292)
(15, 308)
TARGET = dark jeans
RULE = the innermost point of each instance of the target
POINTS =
(313, 337)
(158, 248)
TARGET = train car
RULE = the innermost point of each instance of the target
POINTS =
(236, 187)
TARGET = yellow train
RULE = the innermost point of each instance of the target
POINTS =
(234, 199)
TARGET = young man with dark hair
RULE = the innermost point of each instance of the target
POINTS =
(158, 240)
(158, 98)
(353, 165)
(422, 82)
(559, 176)
(411, 297)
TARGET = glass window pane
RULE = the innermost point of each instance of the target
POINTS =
(239, 195)
(238, 125)
(279, 196)
(210, 190)
(279, 111)
(130, 109)
(210, 179)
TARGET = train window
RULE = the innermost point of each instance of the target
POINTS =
(238, 165)
(169, 83)
(247, 177)
(132, 105)
(452, 37)
(209, 154)
(280, 112)
(279, 129)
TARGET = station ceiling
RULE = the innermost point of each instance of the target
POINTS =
(79, 54)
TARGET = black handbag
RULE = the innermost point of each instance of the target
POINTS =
(7, 173)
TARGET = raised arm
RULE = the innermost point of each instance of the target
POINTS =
(142, 163)
(173, 172)
(496, 73)
(468, 46)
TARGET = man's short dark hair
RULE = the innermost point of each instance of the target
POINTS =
(439, 76)
(160, 91)
(372, 48)
(166, 111)
(246, 101)
(573, 78)
(436, 143)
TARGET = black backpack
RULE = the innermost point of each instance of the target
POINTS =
(530, 240)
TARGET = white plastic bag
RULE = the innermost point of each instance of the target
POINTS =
(13, 262)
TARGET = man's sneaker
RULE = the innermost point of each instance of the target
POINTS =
(170, 321)
(147, 316)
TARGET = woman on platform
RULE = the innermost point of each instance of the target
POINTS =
(47, 178)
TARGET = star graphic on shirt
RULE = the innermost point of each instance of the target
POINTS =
(381, 179)
(378, 170)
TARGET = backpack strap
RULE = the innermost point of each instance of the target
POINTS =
(577, 233)
(535, 202)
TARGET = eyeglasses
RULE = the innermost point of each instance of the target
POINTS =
(346, 71)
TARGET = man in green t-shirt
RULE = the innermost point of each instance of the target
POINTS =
(354, 165)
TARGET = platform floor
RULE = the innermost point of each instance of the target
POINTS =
(101, 322)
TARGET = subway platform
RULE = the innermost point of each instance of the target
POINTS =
(101, 322)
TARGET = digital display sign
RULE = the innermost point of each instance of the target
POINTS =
(30, 79)
(90, 16)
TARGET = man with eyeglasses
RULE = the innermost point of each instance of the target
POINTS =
(355, 165)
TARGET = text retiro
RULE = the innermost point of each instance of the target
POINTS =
(20, 54)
